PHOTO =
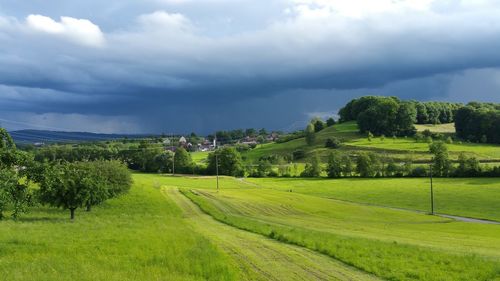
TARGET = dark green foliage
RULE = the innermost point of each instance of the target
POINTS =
(14, 180)
(436, 112)
(330, 122)
(298, 154)
(6, 141)
(183, 162)
(230, 162)
(115, 176)
(82, 184)
(310, 134)
(334, 167)
(390, 116)
(318, 124)
(467, 167)
(264, 168)
(368, 165)
(332, 142)
(479, 122)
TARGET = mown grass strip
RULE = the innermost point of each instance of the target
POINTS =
(391, 261)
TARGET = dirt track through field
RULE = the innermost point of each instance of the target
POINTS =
(261, 258)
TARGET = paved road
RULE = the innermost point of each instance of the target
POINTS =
(464, 219)
(261, 258)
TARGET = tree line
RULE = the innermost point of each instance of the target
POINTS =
(63, 184)
(479, 122)
(391, 116)
(369, 164)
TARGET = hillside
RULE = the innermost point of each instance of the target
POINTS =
(354, 142)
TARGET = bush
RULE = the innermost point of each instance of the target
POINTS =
(299, 154)
(332, 143)
(419, 172)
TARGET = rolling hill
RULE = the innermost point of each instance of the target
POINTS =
(43, 136)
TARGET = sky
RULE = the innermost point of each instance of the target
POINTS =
(163, 66)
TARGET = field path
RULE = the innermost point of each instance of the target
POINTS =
(261, 258)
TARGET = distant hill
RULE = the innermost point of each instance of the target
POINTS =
(42, 136)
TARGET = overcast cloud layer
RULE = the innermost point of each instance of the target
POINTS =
(200, 65)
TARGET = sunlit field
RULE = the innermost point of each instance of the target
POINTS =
(392, 244)
(139, 236)
(354, 142)
(183, 228)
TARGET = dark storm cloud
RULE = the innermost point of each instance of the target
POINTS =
(216, 64)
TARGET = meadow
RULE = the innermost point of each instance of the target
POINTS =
(395, 148)
(391, 244)
(468, 197)
(139, 236)
(182, 228)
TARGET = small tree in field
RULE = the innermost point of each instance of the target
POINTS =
(68, 186)
(310, 134)
(334, 168)
(370, 136)
(313, 168)
(229, 160)
(330, 122)
(441, 164)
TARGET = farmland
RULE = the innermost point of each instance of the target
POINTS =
(351, 232)
(396, 148)
(307, 228)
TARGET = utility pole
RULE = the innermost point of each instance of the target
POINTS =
(216, 162)
(432, 191)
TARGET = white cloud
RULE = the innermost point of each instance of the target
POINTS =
(80, 31)
(161, 20)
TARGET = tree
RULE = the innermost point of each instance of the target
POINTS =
(330, 122)
(250, 132)
(229, 160)
(14, 182)
(310, 134)
(313, 168)
(318, 124)
(367, 165)
(264, 168)
(6, 141)
(82, 184)
(66, 186)
(183, 161)
(405, 118)
(468, 166)
(334, 167)
(8, 181)
(113, 179)
(441, 164)
(347, 165)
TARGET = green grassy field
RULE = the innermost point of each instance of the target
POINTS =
(473, 197)
(392, 244)
(438, 128)
(399, 148)
(199, 157)
(483, 151)
(256, 229)
(140, 236)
